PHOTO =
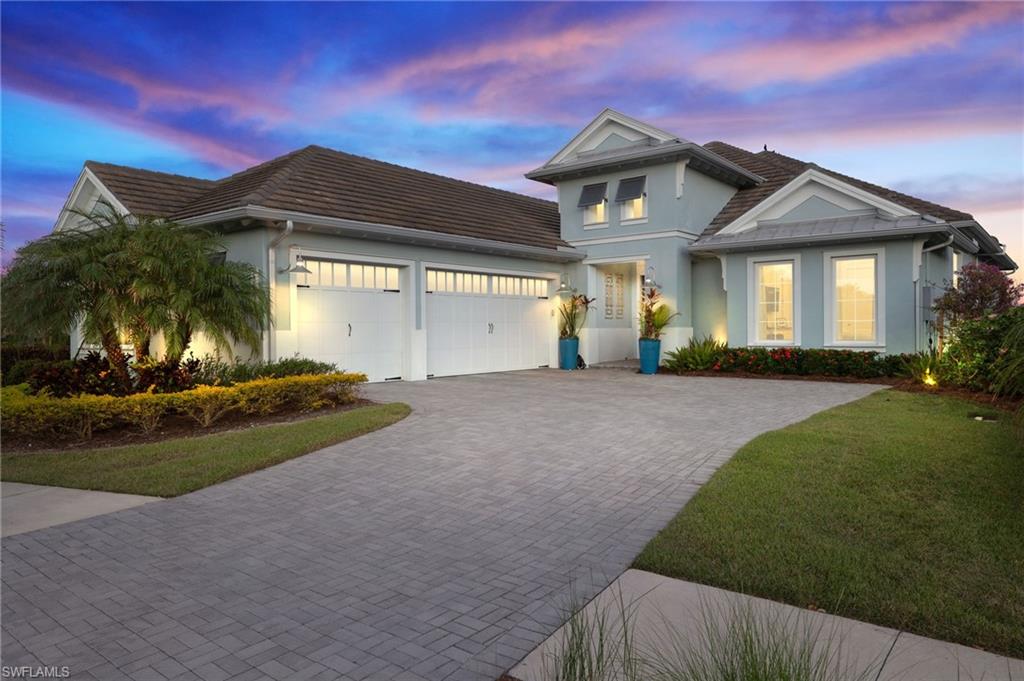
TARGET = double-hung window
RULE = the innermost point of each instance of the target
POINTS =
(593, 201)
(773, 308)
(853, 299)
(632, 198)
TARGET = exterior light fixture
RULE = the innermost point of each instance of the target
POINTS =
(649, 280)
(564, 289)
(298, 268)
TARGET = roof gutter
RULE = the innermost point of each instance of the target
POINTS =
(664, 152)
(894, 233)
(308, 222)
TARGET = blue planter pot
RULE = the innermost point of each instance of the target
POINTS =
(568, 351)
(650, 354)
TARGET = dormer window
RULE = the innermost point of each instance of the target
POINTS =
(632, 198)
(593, 200)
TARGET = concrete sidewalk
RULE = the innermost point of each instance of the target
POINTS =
(33, 507)
(669, 610)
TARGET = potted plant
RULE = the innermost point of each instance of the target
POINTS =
(572, 315)
(655, 315)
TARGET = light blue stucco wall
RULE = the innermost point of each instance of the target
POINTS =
(701, 199)
(709, 299)
(900, 298)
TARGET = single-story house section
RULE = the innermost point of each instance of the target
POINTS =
(408, 275)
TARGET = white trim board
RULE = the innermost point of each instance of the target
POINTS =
(844, 195)
(76, 190)
(752, 299)
(674, 234)
(828, 279)
(606, 116)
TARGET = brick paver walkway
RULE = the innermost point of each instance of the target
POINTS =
(443, 547)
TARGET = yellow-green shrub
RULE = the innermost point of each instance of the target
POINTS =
(206, 403)
(42, 415)
(146, 410)
(45, 417)
(297, 393)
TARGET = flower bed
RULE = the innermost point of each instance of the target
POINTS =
(708, 356)
(45, 418)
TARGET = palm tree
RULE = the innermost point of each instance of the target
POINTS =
(117, 274)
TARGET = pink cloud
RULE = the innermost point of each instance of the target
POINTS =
(911, 30)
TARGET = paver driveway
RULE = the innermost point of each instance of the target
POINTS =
(442, 547)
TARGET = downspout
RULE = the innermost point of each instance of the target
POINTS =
(944, 244)
(268, 340)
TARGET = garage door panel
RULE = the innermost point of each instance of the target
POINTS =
(357, 329)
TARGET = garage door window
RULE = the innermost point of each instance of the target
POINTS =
(327, 274)
(444, 281)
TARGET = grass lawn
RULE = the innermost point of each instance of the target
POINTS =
(897, 509)
(173, 467)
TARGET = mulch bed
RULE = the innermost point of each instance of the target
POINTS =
(174, 426)
(904, 384)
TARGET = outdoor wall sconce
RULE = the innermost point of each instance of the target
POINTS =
(649, 280)
(298, 268)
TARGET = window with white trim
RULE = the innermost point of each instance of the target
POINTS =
(329, 274)
(632, 198)
(774, 310)
(855, 299)
(957, 264)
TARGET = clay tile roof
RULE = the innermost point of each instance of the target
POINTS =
(146, 192)
(325, 182)
(778, 170)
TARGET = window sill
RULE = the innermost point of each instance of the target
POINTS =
(855, 346)
(634, 221)
(596, 225)
(773, 344)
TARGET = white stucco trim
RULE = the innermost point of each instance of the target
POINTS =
(681, 176)
(752, 339)
(725, 280)
(608, 115)
(749, 219)
(673, 234)
(87, 176)
(614, 259)
(828, 272)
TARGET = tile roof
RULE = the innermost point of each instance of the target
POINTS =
(147, 192)
(778, 170)
(330, 183)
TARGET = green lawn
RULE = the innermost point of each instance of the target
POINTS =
(897, 509)
(173, 467)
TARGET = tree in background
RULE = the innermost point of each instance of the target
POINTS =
(981, 290)
(119, 276)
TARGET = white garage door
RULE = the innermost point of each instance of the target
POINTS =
(486, 322)
(351, 315)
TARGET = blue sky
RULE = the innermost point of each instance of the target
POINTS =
(923, 97)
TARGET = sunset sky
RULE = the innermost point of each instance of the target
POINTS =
(924, 98)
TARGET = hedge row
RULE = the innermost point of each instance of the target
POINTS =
(705, 355)
(41, 415)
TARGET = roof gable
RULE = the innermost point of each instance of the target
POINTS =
(610, 124)
(779, 170)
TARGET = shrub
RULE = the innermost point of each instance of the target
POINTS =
(977, 347)
(206, 404)
(924, 367)
(707, 354)
(146, 410)
(982, 290)
(14, 352)
(21, 370)
(44, 416)
(212, 371)
(165, 376)
(90, 374)
(698, 355)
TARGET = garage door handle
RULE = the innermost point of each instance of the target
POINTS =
(490, 328)
(349, 330)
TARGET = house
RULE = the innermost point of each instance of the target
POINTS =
(405, 274)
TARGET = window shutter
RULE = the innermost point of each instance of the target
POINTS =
(593, 194)
(629, 189)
